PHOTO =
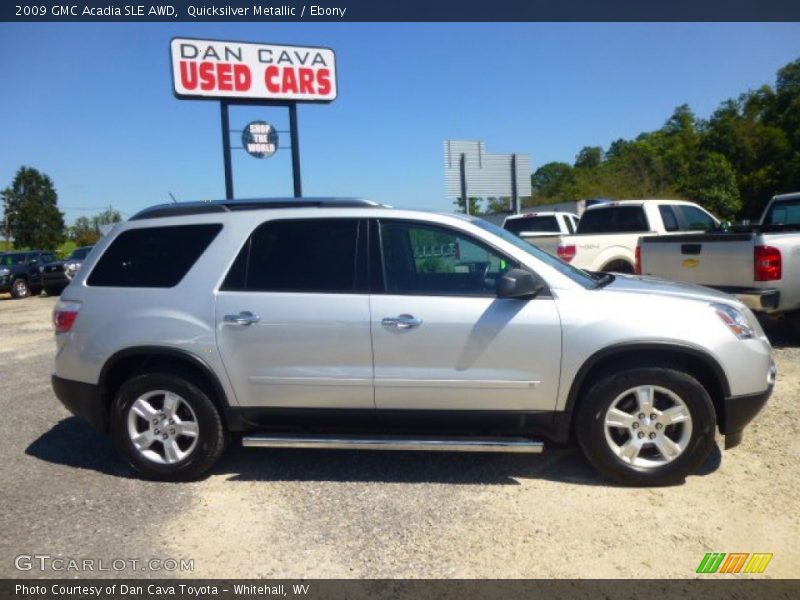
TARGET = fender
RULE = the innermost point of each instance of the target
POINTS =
(167, 352)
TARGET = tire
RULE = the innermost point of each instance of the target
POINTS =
(611, 448)
(181, 457)
(619, 266)
(20, 289)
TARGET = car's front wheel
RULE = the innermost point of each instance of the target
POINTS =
(20, 289)
(647, 426)
(166, 427)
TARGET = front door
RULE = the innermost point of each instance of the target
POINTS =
(292, 316)
(443, 340)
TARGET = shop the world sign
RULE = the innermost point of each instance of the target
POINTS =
(217, 69)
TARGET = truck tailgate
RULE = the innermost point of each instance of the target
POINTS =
(713, 259)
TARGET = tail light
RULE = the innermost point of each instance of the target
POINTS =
(768, 263)
(638, 260)
(566, 253)
(64, 315)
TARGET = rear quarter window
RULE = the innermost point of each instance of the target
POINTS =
(152, 257)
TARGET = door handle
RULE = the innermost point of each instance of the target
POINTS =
(401, 321)
(243, 318)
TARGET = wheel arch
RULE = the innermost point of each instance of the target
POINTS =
(697, 362)
(125, 363)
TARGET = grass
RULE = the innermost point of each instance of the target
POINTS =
(63, 251)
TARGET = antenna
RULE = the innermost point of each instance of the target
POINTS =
(171, 195)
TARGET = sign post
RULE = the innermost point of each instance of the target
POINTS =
(243, 73)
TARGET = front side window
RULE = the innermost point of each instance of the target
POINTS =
(428, 260)
(696, 219)
(303, 255)
(152, 257)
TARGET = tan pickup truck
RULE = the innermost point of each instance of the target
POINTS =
(608, 234)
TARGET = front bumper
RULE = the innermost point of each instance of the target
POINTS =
(83, 400)
(740, 410)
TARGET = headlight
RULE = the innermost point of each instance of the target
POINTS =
(735, 321)
(4, 272)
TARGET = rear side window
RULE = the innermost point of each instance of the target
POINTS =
(152, 257)
(786, 212)
(669, 218)
(304, 255)
(537, 223)
(614, 219)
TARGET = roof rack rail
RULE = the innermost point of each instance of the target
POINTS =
(217, 206)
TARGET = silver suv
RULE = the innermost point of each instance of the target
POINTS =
(340, 323)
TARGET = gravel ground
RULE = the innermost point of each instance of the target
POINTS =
(274, 513)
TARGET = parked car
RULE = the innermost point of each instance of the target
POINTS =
(57, 275)
(20, 273)
(317, 324)
(608, 233)
(535, 224)
(759, 264)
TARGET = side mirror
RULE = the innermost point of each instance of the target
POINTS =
(518, 283)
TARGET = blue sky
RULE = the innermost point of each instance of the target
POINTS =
(91, 104)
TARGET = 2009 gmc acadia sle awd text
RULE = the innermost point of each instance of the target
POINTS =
(343, 323)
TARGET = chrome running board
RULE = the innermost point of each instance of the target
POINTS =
(517, 445)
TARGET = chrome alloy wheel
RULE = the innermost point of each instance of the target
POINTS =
(21, 288)
(163, 427)
(648, 426)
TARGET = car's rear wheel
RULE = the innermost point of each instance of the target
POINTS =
(166, 427)
(647, 426)
(20, 289)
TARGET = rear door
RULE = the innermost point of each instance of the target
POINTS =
(292, 316)
(442, 339)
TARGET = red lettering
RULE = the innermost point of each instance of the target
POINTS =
(289, 80)
(270, 75)
(188, 74)
(207, 76)
(225, 77)
(306, 81)
(323, 82)
(241, 78)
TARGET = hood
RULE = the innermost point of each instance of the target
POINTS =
(636, 284)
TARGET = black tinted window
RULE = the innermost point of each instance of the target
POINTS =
(669, 218)
(532, 223)
(614, 219)
(152, 257)
(785, 212)
(308, 255)
(424, 260)
(695, 219)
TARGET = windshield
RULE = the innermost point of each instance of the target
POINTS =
(537, 223)
(9, 260)
(785, 212)
(577, 275)
(80, 253)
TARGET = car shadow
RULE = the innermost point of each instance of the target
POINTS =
(780, 332)
(72, 443)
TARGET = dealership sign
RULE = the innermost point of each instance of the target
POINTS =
(215, 69)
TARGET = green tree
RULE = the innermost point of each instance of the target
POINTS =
(712, 183)
(589, 157)
(474, 205)
(108, 217)
(34, 220)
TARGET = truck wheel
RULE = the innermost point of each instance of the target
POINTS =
(166, 428)
(20, 289)
(646, 426)
(619, 266)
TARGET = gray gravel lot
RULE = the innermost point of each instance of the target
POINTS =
(278, 513)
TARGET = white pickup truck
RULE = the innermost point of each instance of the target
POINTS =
(536, 224)
(760, 264)
(607, 235)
